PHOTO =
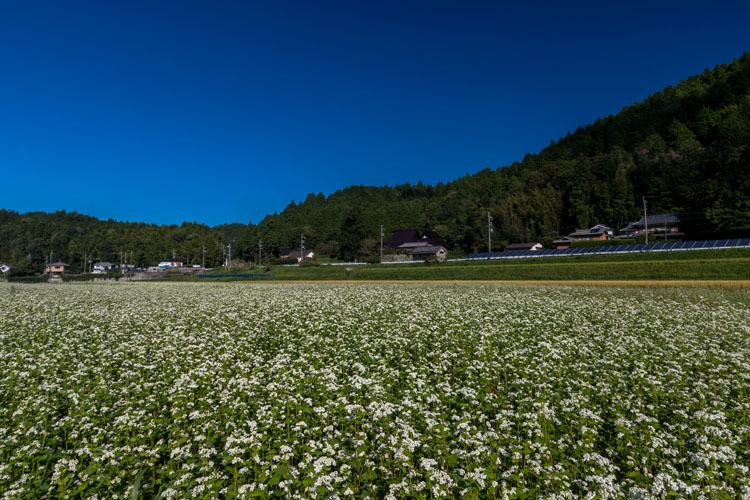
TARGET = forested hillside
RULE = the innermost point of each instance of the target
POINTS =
(686, 148)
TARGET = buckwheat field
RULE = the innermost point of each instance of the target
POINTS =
(372, 391)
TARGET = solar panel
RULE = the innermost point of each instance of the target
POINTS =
(612, 249)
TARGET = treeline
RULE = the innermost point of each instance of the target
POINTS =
(686, 148)
(27, 240)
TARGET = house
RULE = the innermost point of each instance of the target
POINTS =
(4, 268)
(407, 239)
(409, 245)
(170, 264)
(563, 243)
(57, 267)
(102, 267)
(597, 232)
(523, 246)
(660, 225)
(300, 255)
(439, 253)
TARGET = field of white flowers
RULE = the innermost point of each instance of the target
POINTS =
(372, 391)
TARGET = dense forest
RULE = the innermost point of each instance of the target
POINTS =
(686, 148)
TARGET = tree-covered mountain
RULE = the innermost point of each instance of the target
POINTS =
(686, 148)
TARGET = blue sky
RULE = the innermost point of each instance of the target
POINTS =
(222, 112)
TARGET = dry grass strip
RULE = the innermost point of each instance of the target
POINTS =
(735, 284)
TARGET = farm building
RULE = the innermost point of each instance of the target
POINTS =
(597, 232)
(523, 246)
(439, 253)
(666, 225)
(409, 245)
(563, 243)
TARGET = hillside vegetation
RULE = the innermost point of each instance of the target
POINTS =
(686, 148)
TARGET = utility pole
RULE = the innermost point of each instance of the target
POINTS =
(203, 261)
(381, 243)
(301, 247)
(260, 251)
(489, 233)
(645, 219)
(229, 255)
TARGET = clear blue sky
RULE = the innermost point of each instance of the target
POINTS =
(225, 111)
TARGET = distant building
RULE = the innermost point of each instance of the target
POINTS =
(563, 243)
(523, 246)
(297, 254)
(439, 253)
(57, 267)
(664, 225)
(409, 243)
(170, 264)
(597, 232)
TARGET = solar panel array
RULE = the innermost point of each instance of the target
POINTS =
(613, 249)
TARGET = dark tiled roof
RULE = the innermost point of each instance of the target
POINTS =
(520, 246)
(401, 236)
(564, 239)
(296, 254)
(428, 250)
(598, 229)
(653, 220)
